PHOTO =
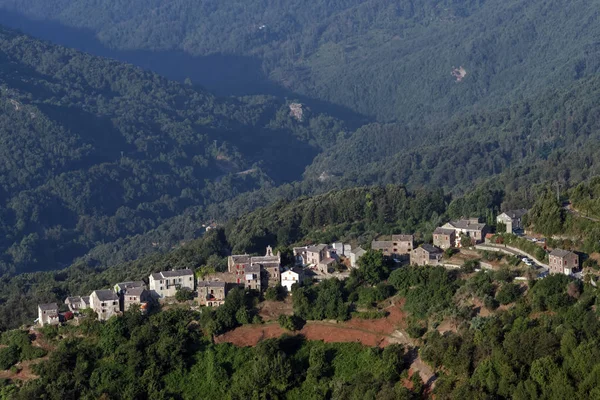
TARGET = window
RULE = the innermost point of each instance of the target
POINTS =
(161, 288)
(190, 278)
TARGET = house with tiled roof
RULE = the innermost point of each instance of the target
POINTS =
(105, 304)
(470, 228)
(48, 314)
(426, 254)
(512, 219)
(563, 262)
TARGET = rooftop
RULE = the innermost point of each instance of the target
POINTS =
(73, 300)
(467, 224)
(317, 248)
(402, 238)
(241, 259)
(130, 285)
(106, 295)
(173, 274)
(265, 260)
(48, 307)
(211, 284)
(443, 231)
(430, 248)
(560, 253)
(135, 291)
(516, 213)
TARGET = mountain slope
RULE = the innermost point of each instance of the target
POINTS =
(94, 150)
(384, 58)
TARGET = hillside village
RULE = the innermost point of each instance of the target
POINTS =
(310, 264)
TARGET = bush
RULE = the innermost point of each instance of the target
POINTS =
(275, 293)
(291, 322)
(9, 356)
(184, 294)
(508, 293)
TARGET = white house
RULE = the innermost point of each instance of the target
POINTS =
(167, 283)
(291, 276)
(105, 303)
(48, 314)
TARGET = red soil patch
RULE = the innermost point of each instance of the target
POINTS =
(368, 332)
(271, 310)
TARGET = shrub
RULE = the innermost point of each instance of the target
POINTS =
(291, 322)
(508, 293)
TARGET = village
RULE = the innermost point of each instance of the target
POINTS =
(310, 264)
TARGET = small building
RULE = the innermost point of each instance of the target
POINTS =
(211, 293)
(513, 219)
(135, 295)
(123, 286)
(427, 254)
(292, 276)
(355, 255)
(316, 254)
(48, 314)
(85, 302)
(471, 228)
(252, 277)
(105, 303)
(167, 283)
(444, 238)
(563, 262)
(325, 264)
(74, 303)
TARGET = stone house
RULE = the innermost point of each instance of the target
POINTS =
(316, 254)
(355, 255)
(48, 314)
(399, 245)
(252, 277)
(105, 303)
(135, 295)
(211, 293)
(471, 228)
(427, 254)
(167, 283)
(292, 276)
(444, 238)
(513, 219)
(269, 263)
(563, 262)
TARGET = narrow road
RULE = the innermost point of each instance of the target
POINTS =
(569, 208)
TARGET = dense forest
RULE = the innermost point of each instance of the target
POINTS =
(384, 58)
(94, 150)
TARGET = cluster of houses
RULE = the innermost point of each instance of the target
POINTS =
(261, 272)
(109, 302)
(454, 233)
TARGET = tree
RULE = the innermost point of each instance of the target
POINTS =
(184, 294)
(508, 293)
(373, 267)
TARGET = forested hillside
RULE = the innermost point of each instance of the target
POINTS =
(385, 58)
(552, 137)
(94, 150)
